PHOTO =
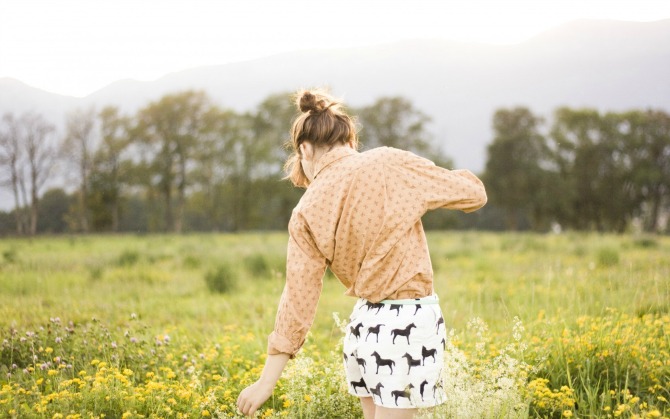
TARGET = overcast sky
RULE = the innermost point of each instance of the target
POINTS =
(75, 47)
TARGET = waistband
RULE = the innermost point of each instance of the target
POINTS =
(431, 299)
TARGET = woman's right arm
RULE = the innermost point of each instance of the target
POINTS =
(252, 397)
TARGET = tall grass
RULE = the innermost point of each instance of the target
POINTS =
(128, 325)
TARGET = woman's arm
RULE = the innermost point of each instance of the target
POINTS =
(252, 397)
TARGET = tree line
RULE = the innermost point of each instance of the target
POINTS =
(588, 170)
(183, 163)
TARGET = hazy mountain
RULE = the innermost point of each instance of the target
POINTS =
(603, 64)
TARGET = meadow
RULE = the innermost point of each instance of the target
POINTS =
(167, 326)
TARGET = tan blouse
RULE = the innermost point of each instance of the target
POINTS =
(361, 216)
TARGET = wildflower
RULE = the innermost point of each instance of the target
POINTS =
(133, 340)
(58, 339)
(133, 316)
(113, 345)
(205, 413)
(567, 414)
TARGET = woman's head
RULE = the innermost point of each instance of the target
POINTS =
(323, 124)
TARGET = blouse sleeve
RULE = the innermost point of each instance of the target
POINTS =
(305, 267)
(443, 188)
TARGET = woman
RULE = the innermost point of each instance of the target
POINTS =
(361, 216)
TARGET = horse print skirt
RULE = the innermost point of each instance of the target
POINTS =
(393, 352)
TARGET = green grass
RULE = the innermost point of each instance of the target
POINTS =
(583, 286)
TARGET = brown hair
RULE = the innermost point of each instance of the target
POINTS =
(322, 122)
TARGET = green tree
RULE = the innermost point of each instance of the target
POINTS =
(110, 170)
(595, 169)
(395, 122)
(647, 141)
(171, 128)
(517, 175)
(54, 207)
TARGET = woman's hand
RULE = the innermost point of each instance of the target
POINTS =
(252, 397)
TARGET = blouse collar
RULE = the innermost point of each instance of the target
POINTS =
(332, 156)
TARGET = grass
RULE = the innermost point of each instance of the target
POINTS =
(594, 310)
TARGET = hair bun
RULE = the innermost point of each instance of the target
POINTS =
(309, 101)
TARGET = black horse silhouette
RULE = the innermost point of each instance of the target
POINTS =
(361, 362)
(439, 322)
(425, 353)
(373, 330)
(411, 362)
(372, 306)
(360, 383)
(421, 388)
(402, 332)
(444, 344)
(383, 362)
(356, 330)
(397, 308)
(376, 391)
(402, 393)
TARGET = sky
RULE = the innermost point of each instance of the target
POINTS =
(75, 47)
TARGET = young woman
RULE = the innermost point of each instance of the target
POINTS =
(361, 216)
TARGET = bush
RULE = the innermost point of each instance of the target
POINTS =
(221, 279)
(608, 256)
(128, 258)
(257, 265)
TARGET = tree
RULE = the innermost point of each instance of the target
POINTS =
(516, 174)
(395, 122)
(109, 170)
(78, 147)
(171, 128)
(40, 156)
(595, 168)
(54, 207)
(12, 156)
(647, 136)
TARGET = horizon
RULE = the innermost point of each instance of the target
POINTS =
(75, 49)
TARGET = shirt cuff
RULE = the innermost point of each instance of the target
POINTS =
(278, 344)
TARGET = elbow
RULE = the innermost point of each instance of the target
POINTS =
(477, 200)
(482, 199)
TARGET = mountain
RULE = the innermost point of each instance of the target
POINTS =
(603, 64)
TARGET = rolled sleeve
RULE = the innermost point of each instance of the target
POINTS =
(305, 267)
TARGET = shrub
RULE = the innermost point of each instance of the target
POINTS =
(9, 255)
(257, 265)
(608, 256)
(128, 258)
(221, 279)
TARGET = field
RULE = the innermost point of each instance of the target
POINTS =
(569, 325)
